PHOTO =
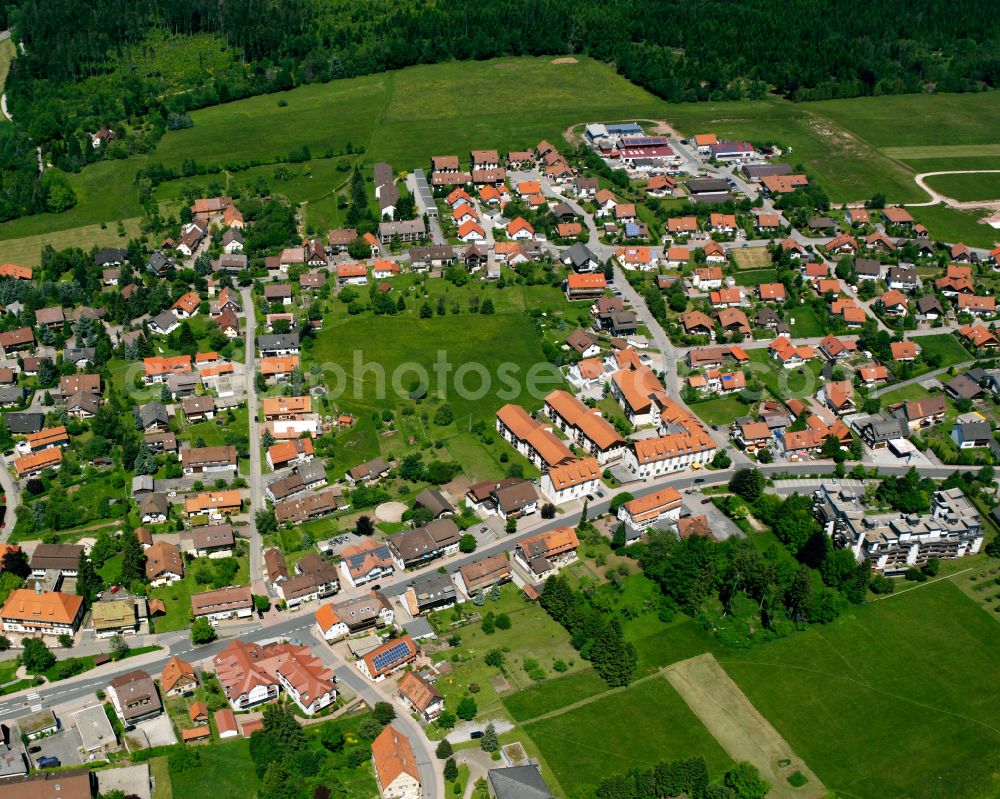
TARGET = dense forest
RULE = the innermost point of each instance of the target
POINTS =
(138, 66)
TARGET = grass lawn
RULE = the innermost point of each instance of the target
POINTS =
(160, 772)
(802, 381)
(909, 393)
(225, 770)
(635, 728)
(835, 693)
(951, 224)
(947, 346)
(111, 569)
(177, 597)
(720, 411)
(755, 277)
(806, 323)
(8, 668)
(967, 187)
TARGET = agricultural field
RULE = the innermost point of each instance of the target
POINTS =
(28, 249)
(923, 664)
(985, 186)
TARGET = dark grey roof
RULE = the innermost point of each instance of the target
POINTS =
(153, 504)
(433, 587)
(278, 341)
(75, 354)
(767, 316)
(975, 431)
(152, 412)
(882, 428)
(903, 274)
(158, 262)
(867, 266)
(388, 196)
(756, 171)
(382, 173)
(707, 186)
(109, 256)
(578, 255)
(164, 320)
(24, 422)
(518, 782)
(11, 394)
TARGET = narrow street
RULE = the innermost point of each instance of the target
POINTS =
(256, 479)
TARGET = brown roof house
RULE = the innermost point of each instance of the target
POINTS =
(135, 697)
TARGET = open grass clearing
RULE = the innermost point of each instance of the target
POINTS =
(982, 186)
(225, 769)
(470, 346)
(754, 277)
(920, 152)
(836, 695)
(532, 635)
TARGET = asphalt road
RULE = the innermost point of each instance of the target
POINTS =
(256, 479)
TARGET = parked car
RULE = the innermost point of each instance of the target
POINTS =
(34, 749)
(49, 762)
(476, 734)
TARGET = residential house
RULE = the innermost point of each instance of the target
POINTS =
(134, 697)
(543, 554)
(31, 612)
(164, 563)
(222, 604)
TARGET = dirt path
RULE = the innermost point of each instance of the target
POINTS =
(937, 197)
(739, 728)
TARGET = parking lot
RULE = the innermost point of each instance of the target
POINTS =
(64, 745)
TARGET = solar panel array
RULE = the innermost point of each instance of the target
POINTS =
(644, 141)
(391, 655)
(631, 229)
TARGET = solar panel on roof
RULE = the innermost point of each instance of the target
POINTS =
(390, 656)
(631, 229)
(643, 141)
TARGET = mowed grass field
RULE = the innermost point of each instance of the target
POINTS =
(952, 224)
(27, 250)
(947, 346)
(898, 698)
(984, 186)
(634, 728)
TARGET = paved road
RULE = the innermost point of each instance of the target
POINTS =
(256, 479)
(13, 492)
(920, 378)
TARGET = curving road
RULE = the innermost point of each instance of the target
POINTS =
(937, 197)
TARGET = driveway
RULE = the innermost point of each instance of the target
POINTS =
(159, 731)
(64, 745)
